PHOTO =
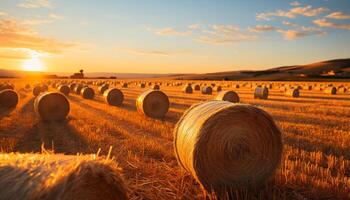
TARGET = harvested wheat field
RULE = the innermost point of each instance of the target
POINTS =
(275, 147)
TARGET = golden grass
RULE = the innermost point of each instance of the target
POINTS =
(315, 126)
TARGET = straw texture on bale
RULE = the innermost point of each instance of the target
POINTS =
(88, 93)
(78, 88)
(230, 96)
(207, 90)
(187, 89)
(153, 103)
(228, 146)
(261, 93)
(72, 86)
(293, 92)
(114, 97)
(56, 176)
(103, 88)
(52, 106)
(8, 98)
(6, 87)
(64, 89)
(331, 90)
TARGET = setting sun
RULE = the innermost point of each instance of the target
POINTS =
(33, 64)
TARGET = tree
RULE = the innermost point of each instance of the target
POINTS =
(81, 71)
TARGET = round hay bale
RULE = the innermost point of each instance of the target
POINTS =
(64, 89)
(27, 87)
(261, 92)
(37, 90)
(228, 146)
(78, 88)
(342, 90)
(293, 92)
(142, 85)
(331, 90)
(124, 85)
(103, 88)
(6, 87)
(218, 88)
(207, 90)
(153, 103)
(187, 89)
(197, 87)
(114, 97)
(156, 87)
(44, 88)
(72, 86)
(230, 96)
(52, 106)
(88, 93)
(8, 98)
(58, 176)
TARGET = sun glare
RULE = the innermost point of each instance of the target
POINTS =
(33, 64)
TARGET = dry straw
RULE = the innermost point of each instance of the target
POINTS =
(56, 176)
(52, 106)
(153, 103)
(230, 96)
(87, 93)
(8, 98)
(114, 97)
(293, 92)
(64, 89)
(228, 146)
(261, 92)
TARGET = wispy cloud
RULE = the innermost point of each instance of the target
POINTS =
(338, 15)
(33, 22)
(169, 32)
(3, 14)
(301, 32)
(154, 52)
(56, 16)
(262, 28)
(14, 35)
(329, 24)
(194, 26)
(306, 11)
(35, 4)
(225, 34)
(295, 3)
(13, 53)
(287, 23)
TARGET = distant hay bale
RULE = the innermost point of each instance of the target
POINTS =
(124, 85)
(236, 86)
(261, 92)
(230, 96)
(44, 88)
(218, 88)
(8, 98)
(103, 88)
(331, 90)
(307, 87)
(78, 88)
(64, 89)
(52, 106)
(72, 86)
(342, 90)
(88, 93)
(197, 87)
(207, 90)
(156, 87)
(27, 87)
(114, 97)
(228, 146)
(37, 90)
(142, 85)
(153, 103)
(56, 176)
(187, 89)
(292, 92)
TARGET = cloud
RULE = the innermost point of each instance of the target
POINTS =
(295, 3)
(154, 52)
(287, 23)
(302, 32)
(3, 14)
(35, 4)
(328, 24)
(225, 34)
(194, 26)
(14, 35)
(263, 28)
(306, 11)
(33, 22)
(338, 15)
(13, 53)
(55, 16)
(169, 32)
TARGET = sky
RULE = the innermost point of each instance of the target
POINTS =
(168, 36)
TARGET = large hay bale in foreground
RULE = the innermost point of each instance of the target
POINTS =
(153, 103)
(55, 176)
(87, 93)
(292, 92)
(261, 92)
(114, 97)
(207, 90)
(8, 98)
(228, 146)
(64, 89)
(52, 106)
(230, 96)
(331, 90)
